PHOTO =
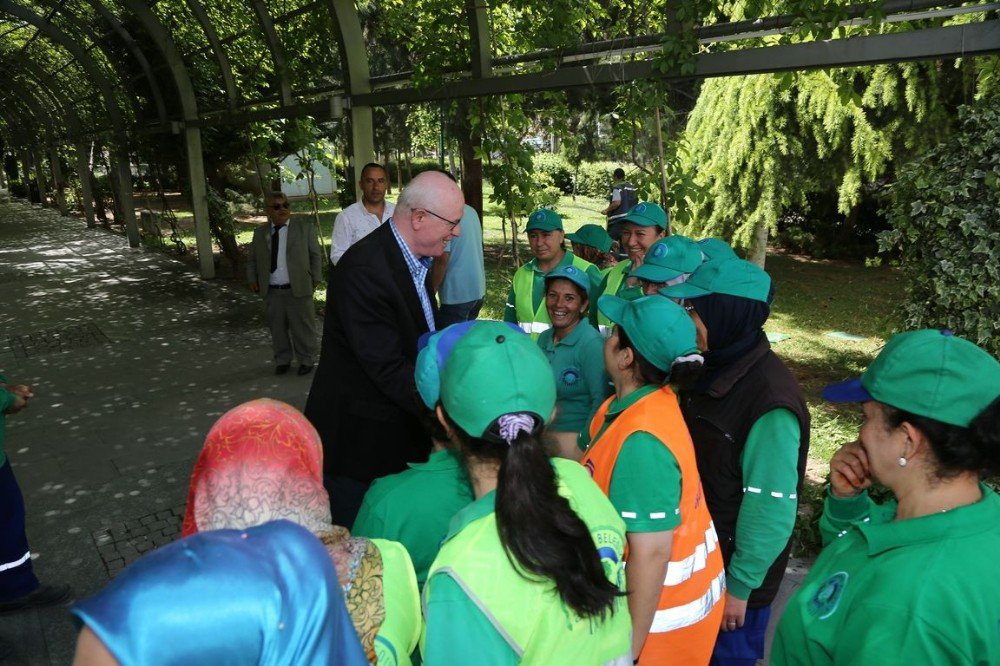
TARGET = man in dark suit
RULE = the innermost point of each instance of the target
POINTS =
(285, 266)
(378, 302)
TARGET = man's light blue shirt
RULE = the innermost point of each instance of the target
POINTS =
(465, 277)
(418, 267)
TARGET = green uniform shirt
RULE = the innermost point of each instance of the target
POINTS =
(918, 591)
(578, 367)
(6, 400)
(538, 286)
(623, 290)
(646, 480)
(414, 507)
(767, 513)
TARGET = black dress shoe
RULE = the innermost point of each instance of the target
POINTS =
(44, 595)
(305, 369)
(281, 369)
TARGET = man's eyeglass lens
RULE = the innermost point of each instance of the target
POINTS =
(452, 223)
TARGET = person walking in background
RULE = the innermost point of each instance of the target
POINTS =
(459, 275)
(750, 426)
(19, 588)
(620, 202)
(379, 301)
(365, 216)
(912, 580)
(285, 265)
(526, 299)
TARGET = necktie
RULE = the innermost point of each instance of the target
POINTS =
(274, 248)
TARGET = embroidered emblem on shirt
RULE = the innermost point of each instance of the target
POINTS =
(570, 376)
(824, 603)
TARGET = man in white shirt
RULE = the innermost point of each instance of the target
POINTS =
(362, 217)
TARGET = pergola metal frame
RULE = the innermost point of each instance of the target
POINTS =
(40, 118)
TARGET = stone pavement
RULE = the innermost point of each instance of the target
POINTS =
(132, 357)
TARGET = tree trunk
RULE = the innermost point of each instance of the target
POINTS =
(758, 252)
(472, 167)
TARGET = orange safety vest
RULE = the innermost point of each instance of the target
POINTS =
(691, 603)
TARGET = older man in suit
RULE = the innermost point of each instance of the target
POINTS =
(285, 267)
(379, 302)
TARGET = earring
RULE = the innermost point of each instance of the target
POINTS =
(902, 462)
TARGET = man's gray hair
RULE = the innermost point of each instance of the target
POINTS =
(419, 193)
(277, 194)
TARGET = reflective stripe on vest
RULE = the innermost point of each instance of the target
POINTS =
(616, 276)
(536, 321)
(678, 617)
(695, 580)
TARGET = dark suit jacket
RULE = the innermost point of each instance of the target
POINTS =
(363, 398)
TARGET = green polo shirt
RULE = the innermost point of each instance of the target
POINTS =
(646, 480)
(917, 591)
(6, 400)
(578, 367)
(538, 286)
(414, 507)
(456, 627)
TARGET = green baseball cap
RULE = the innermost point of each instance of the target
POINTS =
(593, 235)
(716, 248)
(659, 328)
(668, 259)
(930, 373)
(735, 277)
(647, 214)
(493, 371)
(573, 274)
(544, 219)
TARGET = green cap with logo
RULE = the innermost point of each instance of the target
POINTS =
(573, 274)
(544, 219)
(668, 259)
(735, 277)
(492, 371)
(929, 373)
(716, 248)
(647, 214)
(660, 329)
(593, 235)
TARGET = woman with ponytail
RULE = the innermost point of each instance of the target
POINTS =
(913, 580)
(531, 571)
(642, 457)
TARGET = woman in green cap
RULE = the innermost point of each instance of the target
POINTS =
(644, 224)
(574, 349)
(592, 242)
(526, 300)
(642, 457)
(530, 571)
(913, 580)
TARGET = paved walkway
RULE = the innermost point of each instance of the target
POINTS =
(133, 358)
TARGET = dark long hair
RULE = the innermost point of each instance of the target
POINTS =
(683, 375)
(539, 531)
(958, 449)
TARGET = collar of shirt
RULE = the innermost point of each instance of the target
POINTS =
(418, 266)
(285, 225)
(438, 460)
(565, 261)
(619, 405)
(947, 525)
(479, 508)
(570, 340)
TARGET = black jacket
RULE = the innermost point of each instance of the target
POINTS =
(363, 399)
(719, 420)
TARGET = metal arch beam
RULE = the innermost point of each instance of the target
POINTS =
(34, 114)
(479, 33)
(277, 52)
(121, 156)
(33, 71)
(357, 81)
(119, 28)
(232, 93)
(164, 43)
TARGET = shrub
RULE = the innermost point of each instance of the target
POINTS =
(944, 213)
(556, 169)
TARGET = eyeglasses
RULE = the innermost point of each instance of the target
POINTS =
(285, 205)
(453, 224)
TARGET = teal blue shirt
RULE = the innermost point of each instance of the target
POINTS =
(465, 276)
(578, 367)
(415, 507)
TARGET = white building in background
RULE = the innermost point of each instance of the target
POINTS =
(293, 186)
